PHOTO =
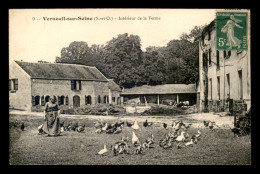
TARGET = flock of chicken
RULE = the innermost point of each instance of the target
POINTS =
(178, 133)
(63, 127)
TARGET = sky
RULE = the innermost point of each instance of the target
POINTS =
(32, 37)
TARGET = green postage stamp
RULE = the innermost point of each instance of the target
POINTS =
(231, 30)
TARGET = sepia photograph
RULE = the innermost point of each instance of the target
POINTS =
(95, 86)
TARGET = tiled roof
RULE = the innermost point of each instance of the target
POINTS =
(113, 86)
(161, 89)
(61, 71)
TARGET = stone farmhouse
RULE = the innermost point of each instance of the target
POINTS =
(222, 73)
(31, 85)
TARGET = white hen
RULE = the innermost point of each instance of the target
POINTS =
(181, 137)
(135, 126)
(189, 143)
(105, 127)
(101, 152)
(135, 138)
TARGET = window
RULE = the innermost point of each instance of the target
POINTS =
(218, 87)
(218, 67)
(209, 57)
(210, 88)
(13, 84)
(37, 100)
(240, 87)
(88, 100)
(42, 101)
(228, 83)
(105, 99)
(229, 53)
(205, 60)
(62, 100)
(224, 53)
(209, 34)
(47, 98)
(113, 99)
(75, 85)
(67, 100)
(99, 99)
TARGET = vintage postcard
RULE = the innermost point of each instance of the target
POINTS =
(129, 87)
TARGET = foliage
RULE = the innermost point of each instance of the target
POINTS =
(165, 110)
(123, 60)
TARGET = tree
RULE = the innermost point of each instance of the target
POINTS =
(76, 53)
(122, 59)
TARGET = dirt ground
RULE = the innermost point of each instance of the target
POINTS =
(218, 147)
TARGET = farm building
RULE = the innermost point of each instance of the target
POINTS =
(160, 94)
(31, 85)
(223, 74)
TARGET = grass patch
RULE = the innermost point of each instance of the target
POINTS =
(217, 147)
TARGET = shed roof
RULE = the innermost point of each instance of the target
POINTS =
(161, 89)
(61, 71)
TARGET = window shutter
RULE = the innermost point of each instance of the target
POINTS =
(59, 100)
(72, 84)
(33, 100)
(42, 101)
(10, 85)
(15, 84)
(79, 85)
(67, 100)
(86, 100)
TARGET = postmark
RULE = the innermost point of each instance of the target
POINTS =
(231, 30)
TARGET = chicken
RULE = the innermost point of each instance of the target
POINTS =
(165, 125)
(195, 139)
(62, 129)
(74, 127)
(111, 130)
(196, 136)
(135, 126)
(145, 124)
(68, 127)
(129, 124)
(40, 129)
(181, 137)
(135, 139)
(148, 142)
(118, 129)
(206, 123)
(101, 152)
(168, 144)
(22, 127)
(188, 126)
(139, 149)
(80, 128)
(179, 146)
(98, 125)
(189, 143)
(176, 126)
(105, 127)
(118, 124)
(98, 131)
(211, 125)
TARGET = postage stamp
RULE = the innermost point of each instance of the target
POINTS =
(231, 30)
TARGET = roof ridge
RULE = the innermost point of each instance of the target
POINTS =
(58, 63)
